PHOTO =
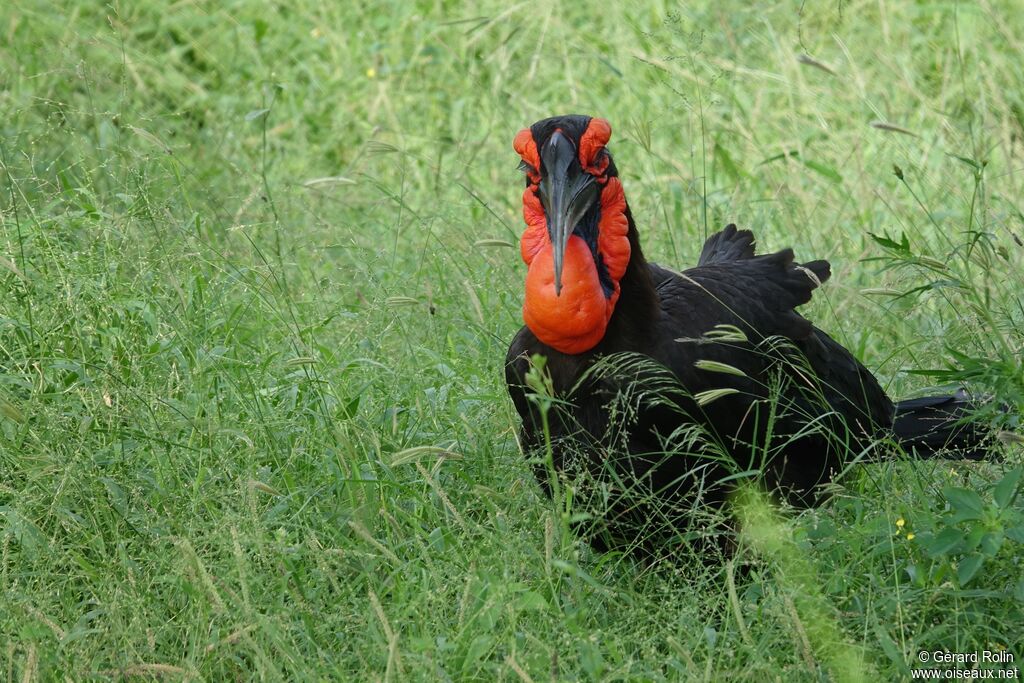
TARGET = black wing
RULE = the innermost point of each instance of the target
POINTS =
(823, 402)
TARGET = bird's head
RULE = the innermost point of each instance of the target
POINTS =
(576, 243)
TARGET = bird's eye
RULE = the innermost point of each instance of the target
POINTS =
(599, 163)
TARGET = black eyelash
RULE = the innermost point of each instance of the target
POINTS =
(523, 166)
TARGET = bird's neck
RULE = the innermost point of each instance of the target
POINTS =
(639, 306)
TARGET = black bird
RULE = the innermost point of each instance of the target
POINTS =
(667, 388)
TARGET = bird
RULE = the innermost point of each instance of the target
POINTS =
(649, 394)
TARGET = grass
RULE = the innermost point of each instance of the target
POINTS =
(254, 303)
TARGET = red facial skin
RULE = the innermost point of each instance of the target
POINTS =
(575, 320)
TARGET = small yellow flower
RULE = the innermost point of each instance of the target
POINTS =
(371, 73)
(900, 522)
(910, 536)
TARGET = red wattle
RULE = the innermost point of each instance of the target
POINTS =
(573, 321)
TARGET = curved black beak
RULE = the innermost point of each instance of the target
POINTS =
(567, 192)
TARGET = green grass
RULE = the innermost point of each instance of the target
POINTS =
(252, 415)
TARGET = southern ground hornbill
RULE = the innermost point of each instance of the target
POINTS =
(660, 390)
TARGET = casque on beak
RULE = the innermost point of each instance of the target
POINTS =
(566, 192)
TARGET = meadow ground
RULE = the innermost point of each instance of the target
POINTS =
(256, 291)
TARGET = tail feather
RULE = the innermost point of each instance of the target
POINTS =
(940, 426)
